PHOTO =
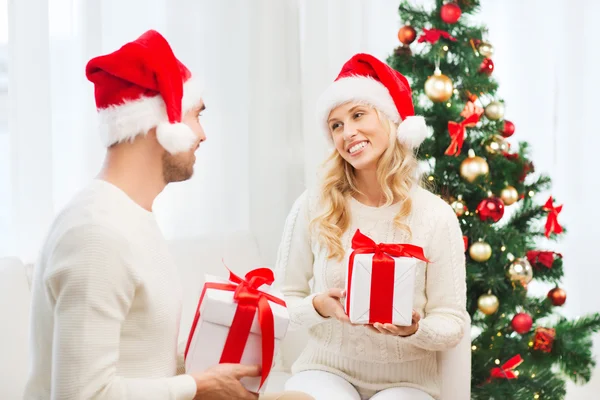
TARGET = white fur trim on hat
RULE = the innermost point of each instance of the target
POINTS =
(175, 138)
(412, 131)
(356, 88)
(126, 121)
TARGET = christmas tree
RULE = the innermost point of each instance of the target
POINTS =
(523, 348)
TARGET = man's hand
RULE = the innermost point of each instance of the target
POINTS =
(222, 382)
(328, 305)
(394, 330)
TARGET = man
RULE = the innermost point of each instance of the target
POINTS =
(106, 293)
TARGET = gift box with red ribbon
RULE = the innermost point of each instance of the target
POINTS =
(380, 281)
(240, 321)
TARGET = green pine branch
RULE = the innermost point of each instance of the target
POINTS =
(542, 374)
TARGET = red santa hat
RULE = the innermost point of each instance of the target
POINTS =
(142, 86)
(365, 79)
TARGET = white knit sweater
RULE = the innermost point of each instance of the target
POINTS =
(369, 360)
(106, 306)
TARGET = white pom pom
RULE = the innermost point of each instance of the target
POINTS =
(412, 131)
(175, 138)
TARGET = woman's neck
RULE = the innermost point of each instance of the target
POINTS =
(370, 192)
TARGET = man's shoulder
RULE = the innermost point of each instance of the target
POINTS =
(86, 214)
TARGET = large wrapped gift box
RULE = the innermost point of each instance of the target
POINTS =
(238, 321)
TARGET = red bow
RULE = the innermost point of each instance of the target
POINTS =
(457, 134)
(506, 370)
(382, 274)
(552, 225)
(433, 35)
(249, 300)
(546, 258)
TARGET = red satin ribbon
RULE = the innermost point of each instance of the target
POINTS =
(433, 35)
(249, 300)
(552, 225)
(546, 258)
(457, 134)
(506, 371)
(382, 273)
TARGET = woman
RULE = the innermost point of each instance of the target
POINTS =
(370, 183)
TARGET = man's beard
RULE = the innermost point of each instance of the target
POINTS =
(176, 169)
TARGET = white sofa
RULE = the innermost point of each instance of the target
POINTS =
(195, 257)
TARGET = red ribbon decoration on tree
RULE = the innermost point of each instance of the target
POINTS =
(433, 35)
(457, 134)
(546, 258)
(382, 273)
(249, 300)
(506, 371)
(552, 225)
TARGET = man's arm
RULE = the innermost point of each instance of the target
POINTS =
(92, 287)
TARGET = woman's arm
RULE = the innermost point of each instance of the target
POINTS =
(294, 267)
(445, 311)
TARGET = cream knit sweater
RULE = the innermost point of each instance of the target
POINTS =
(106, 306)
(369, 360)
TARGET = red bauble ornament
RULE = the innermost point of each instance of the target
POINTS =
(407, 35)
(450, 13)
(507, 129)
(557, 296)
(491, 208)
(487, 66)
(522, 323)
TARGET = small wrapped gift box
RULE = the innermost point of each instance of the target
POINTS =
(380, 281)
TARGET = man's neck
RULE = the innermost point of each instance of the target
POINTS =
(371, 193)
(132, 173)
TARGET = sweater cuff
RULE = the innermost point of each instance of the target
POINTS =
(428, 338)
(183, 387)
(305, 312)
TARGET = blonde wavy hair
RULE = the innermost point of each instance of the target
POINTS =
(396, 173)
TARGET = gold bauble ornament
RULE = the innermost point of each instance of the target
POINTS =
(480, 251)
(459, 207)
(496, 144)
(438, 87)
(494, 110)
(488, 304)
(485, 49)
(520, 271)
(509, 195)
(473, 166)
